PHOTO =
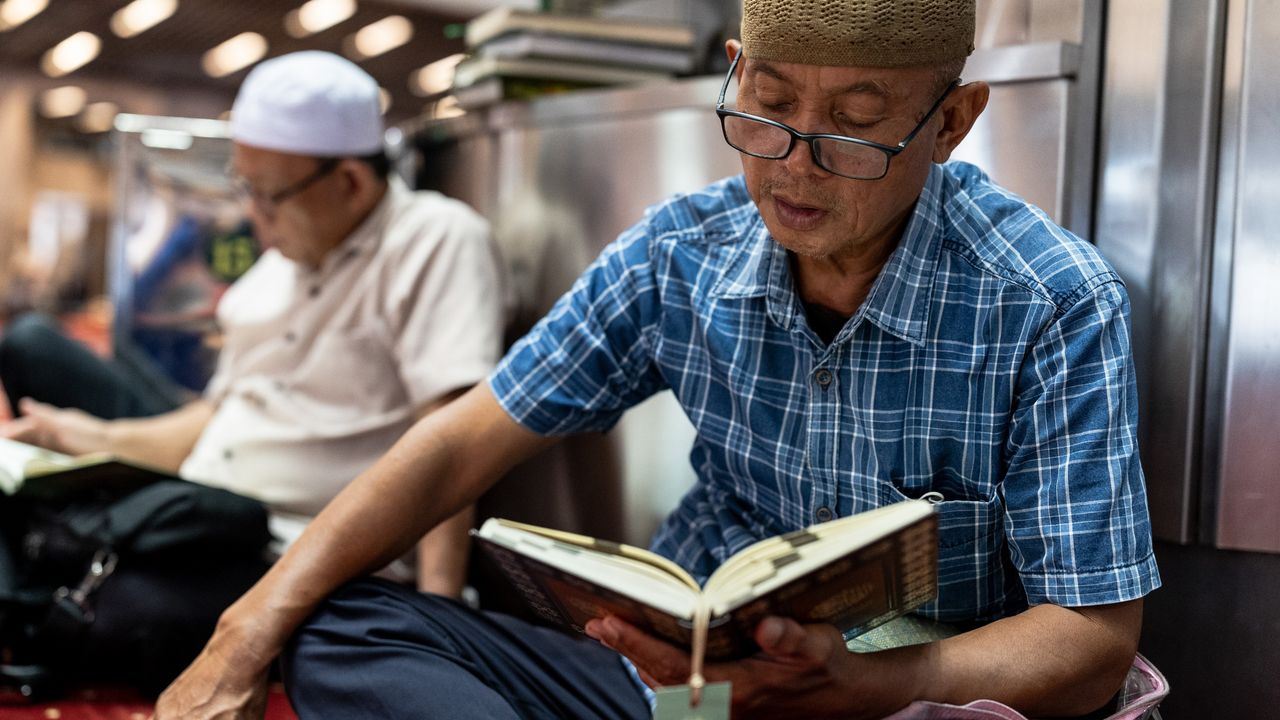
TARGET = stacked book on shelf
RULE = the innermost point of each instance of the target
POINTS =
(522, 54)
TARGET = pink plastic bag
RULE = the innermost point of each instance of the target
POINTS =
(1141, 694)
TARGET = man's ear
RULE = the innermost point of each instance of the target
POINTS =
(959, 113)
(357, 178)
(731, 49)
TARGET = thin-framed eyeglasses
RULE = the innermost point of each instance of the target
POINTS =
(268, 202)
(841, 155)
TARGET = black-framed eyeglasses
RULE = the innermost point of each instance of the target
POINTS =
(268, 202)
(841, 155)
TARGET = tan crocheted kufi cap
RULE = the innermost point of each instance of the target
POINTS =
(860, 33)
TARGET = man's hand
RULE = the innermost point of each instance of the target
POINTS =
(218, 685)
(1046, 661)
(801, 671)
(66, 431)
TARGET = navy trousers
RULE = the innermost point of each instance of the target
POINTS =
(376, 649)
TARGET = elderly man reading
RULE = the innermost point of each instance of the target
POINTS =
(372, 307)
(848, 323)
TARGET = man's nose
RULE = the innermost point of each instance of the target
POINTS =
(800, 160)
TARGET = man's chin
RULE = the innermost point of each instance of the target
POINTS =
(284, 249)
(812, 251)
(810, 244)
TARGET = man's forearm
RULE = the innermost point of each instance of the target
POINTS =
(1047, 661)
(443, 553)
(439, 467)
(163, 441)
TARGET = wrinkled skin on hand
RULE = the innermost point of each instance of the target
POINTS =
(218, 685)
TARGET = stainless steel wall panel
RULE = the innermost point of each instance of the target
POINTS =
(1024, 139)
(1038, 134)
(1021, 141)
(1018, 22)
(1154, 222)
(623, 165)
(1248, 497)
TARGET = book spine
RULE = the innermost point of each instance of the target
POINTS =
(498, 22)
(476, 69)
(545, 46)
(486, 26)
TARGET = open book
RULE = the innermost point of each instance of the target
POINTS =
(33, 472)
(854, 573)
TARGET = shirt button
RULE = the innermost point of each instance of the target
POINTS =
(315, 291)
(823, 514)
(227, 454)
(823, 377)
(290, 337)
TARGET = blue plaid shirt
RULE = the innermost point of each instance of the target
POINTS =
(990, 363)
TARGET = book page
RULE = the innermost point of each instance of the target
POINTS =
(610, 548)
(17, 458)
(775, 561)
(640, 579)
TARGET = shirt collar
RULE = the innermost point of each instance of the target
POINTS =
(759, 267)
(902, 295)
(899, 300)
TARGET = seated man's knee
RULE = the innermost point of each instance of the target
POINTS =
(28, 338)
(364, 609)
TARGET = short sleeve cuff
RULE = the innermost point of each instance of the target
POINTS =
(1096, 587)
(520, 405)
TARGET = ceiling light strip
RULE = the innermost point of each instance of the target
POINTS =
(235, 54)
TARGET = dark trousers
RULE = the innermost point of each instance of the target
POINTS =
(38, 361)
(375, 649)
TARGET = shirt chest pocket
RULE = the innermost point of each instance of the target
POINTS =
(973, 566)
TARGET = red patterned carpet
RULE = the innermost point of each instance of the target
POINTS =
(110, 705)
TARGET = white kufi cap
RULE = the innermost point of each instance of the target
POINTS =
(309, 103)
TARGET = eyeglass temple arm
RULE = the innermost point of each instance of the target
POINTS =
(725, 87)
(937, 104)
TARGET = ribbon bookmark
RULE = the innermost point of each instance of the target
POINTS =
(697, 700)
(701, 622)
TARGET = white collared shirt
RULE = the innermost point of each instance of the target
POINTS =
(323, 369)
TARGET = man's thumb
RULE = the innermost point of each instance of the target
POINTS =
(782, 637)
(27, 406)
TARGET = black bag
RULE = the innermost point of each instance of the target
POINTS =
(55, 559)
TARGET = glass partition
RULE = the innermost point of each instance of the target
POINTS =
(179, 240)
